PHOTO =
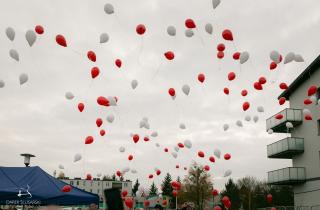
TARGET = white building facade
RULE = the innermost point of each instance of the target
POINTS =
(303, 145)
(97, 186)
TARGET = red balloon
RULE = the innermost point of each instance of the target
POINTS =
(262, 80)
(228, 204)
(308, 117)
(135, 138)
(273, 65)
(177, 166)
(92, 56)
(129, 202)
(66, 188)
(214, 192)
(81, 107)
(61, 40)
(279, 116)
(236, 55)
(220, 54)
(227, 35)
(273, 208)
(221, 47)
(283, 86)
(201, 78)
(118, 173)
(95, 72)
(180, 145)
(175, 185)
(89, 140)
(207, 168)
(212, 159)
(146, 203)
(282, 100)
(140, 29)
(89, 177)
(244, 93)
(312, 90)
(103, 101)
(99, 122)
(307, 101)
(169, 55)
(269, 198)
(226, 91)
(231, 76)
(158, 172)
(130, 157)
(227, 156)
(217, 208)
(150, 176)
(185, 168)
(257, 86)
(118, 63)
(146, 138)
(225, 199)
(201, 154)
(166, 150)
(102, 132)
(190, 23)
(172, 92)
(124, 193)
(175, 193)
(39, 29)
(245, 106)
(165, 203)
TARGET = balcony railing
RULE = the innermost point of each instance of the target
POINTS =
(286, 148)
(287, 176)
(289, 115)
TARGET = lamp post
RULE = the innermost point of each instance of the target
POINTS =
(27, 158)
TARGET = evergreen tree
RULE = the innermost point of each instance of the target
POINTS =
(232, 191)
(166, 186)
(153, 190)
(135, 187)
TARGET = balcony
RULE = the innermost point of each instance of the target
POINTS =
(287, 176)
(286, 148)
(289, 115)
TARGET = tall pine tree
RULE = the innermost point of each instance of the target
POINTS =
(233, 192)
(166, 186)
(153, 190)
(135, 187)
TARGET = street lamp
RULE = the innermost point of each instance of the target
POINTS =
(27, 158)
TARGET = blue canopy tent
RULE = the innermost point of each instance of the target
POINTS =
(33, 186)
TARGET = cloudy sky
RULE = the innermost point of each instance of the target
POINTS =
(37, 118)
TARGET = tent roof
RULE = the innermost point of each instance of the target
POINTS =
(38, 188)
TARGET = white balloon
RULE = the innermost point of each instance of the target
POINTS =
(154, 134)
(14, 54)
(108, 8)
(215, 3)
(134, 84)
(126, 169)
(306, 111)
(77, 157)
(217, 153)
(10, 33)
(2, 83)
(110, 118)
(255, 119)
(289, 125)
(157, 145)
(174, 154)
(187, 143)
(239, 123)
(298, 58)
(182, 126)
(313, 99)
(99, 175)
(225, 127)
(122, 149)
(260, 109)
(270, 131)
(171, 30)
(244, 57)
(209, 28)
(176, 148)
(275, 56)
(23, 78)
(104, 37)
(289, 58)
(141, 189)
(31, 37)
(227, 173)
(247, 118)
(134, 171)
(189, 33)
(69, 95)
(186, 89)
(112, 101)
(61, 167)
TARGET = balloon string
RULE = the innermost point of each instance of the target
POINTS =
(140, 52)
(157, 71)
(200, 37)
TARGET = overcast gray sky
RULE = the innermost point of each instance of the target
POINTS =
(37, 118)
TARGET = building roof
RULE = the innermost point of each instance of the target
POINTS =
(312, 68)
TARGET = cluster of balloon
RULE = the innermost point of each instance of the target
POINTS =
(291, 56)
(176, 186)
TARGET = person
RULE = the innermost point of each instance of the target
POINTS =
(93, 206)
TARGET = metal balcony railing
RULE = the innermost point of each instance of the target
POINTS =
(286, 148)
(289, 115)
(287, 176)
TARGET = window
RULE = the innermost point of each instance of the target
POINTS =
(71, 182)
(91, 190)
(77, 183)
(98, 183)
